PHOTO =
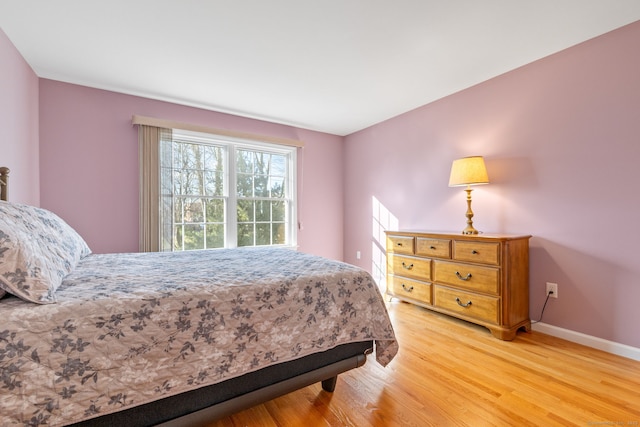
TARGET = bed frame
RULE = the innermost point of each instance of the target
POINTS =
(202, 406)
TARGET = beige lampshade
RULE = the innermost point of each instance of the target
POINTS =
(468, 171)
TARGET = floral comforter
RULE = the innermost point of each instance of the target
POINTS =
(131, 328)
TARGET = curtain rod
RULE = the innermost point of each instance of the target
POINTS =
(169, 124)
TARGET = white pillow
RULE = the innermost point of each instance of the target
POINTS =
(37, 250)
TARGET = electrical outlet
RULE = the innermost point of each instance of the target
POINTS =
(552, 287)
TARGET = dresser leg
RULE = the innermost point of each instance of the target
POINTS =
(504, 334)
(510, 334)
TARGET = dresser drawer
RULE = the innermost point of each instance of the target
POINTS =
(439, 248)
(407, 288)
(480, 252)
(467, 276)
(481, 307)
(417, 268)
(400, 244)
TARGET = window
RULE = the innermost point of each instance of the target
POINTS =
(225, 192)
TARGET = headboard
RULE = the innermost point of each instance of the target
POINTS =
(4, 181)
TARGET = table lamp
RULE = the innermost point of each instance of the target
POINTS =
(468, 171)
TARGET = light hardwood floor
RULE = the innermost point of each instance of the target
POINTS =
(452, 373)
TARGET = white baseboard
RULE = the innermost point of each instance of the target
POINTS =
(588, 340)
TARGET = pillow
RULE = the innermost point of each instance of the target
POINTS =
(37, 250)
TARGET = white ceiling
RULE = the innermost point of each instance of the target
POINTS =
(335, 66)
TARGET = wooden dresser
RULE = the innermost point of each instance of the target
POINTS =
(481, 278)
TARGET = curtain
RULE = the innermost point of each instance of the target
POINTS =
(150, 140)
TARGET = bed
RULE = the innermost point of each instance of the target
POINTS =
(170, 339)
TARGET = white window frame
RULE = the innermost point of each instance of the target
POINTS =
(231, 145)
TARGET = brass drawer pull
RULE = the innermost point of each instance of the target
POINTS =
(461, 304)
(407, 289)
(433, 248)
(475, 252)
(467, 277)
(399, 244)
(405, 266)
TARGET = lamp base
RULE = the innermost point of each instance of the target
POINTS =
(469, 229)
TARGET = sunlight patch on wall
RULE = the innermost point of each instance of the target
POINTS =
(382, 219)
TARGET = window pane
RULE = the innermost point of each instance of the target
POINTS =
(263, 210)
(276, 186)
(263, 234)
(213, 157)
(261, 186)
(214, 183)
(177, 211)
(193, 210)
(244, 185)
(193, 182)
(193, 236)
(278, 211)
(245, 211)
(191, 156)
(245, 234)
(214, 210)
(278, 165)
(177, 156)
(215, 236)
(178, 233)
(244, 161)
(279, 236)
(261, 163)
(178, 182)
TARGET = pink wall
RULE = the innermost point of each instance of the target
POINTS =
(89, 165)
(561, 139)
(19, 123)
